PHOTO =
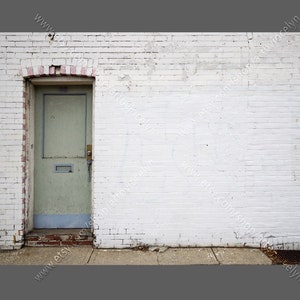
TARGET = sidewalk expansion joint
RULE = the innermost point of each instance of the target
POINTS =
(90, 256)
(215, 256)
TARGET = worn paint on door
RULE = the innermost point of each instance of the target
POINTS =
(63, 129)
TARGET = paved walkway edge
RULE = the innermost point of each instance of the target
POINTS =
(86, 255)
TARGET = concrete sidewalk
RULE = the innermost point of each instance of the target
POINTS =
(86, 255)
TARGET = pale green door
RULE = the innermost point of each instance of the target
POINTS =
(62, 177)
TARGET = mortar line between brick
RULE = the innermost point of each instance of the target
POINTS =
(215, 256)
(90, 256)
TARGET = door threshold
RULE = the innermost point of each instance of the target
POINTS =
(59, 237)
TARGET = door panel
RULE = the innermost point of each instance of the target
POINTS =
(64, 125)
(62, 190)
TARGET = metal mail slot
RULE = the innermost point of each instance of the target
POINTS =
(63, 168)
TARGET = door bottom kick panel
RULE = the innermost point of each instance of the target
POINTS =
(62, 221)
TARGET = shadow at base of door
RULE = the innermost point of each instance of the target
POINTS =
(59, 237)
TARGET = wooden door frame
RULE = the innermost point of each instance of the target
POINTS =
(30, 84)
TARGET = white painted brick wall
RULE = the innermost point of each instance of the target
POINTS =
(187, 150)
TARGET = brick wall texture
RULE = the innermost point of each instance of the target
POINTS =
(196, 135)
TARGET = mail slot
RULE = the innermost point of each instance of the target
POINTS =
(63, 168)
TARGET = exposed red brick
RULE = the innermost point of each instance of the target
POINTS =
(52, 243)
(73, 70)
(30, 71)
(33, 238)
(83, 71)
(41, 70)
(84, 243)
(63, 70)
(68, 243)
(51, 70)
(53, 237)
